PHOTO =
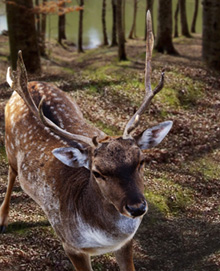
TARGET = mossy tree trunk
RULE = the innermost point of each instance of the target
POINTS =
(23, 34)
(164, 41)
(211, 33)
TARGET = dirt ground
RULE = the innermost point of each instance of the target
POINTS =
(182, 178)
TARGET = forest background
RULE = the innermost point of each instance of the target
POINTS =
(181, 230)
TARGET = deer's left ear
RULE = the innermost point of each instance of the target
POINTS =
(153, 136)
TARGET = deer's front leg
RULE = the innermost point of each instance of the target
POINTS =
(124, 257)
(80, 261)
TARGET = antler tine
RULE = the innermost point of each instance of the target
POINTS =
(149, 93)
(18, 81)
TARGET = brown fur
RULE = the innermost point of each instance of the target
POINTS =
(77, 203)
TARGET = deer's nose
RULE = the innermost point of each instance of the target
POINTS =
(137, 209)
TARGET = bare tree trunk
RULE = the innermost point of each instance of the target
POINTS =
(133, 27)
(43, 32)
(105, 37)
(121, 38)
(211, 33)
(123, 15)
(193, 26)
(23, 34)
(164, 28)
(183, 17)
(114, 23)
(37, 18)
(61, 22)
(80, 32)
(149, 6)
(176, 32)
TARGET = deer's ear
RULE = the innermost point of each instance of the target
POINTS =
(153, 136)
(72, 157)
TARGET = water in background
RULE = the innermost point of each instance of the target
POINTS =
(92, 26)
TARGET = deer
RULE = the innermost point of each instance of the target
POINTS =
(89, 185)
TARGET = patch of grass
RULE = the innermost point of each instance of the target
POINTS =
(206, 166)
(22, 228)
(109, 130)
(169, 97)
(168, 197)
(3, 156)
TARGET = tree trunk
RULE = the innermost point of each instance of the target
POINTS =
(193, 26)
(164, 28)
(105, 37)
(133, 27)
(114, 24)
(123, 15)
(211, 33)
(37, 18)
(23, 34)
(43, 32)
(121, 38)
(149, 6)
(80, 32)
(176, 32)
(61, 22)
(183, 19)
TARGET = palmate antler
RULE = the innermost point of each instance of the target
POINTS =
(149, 93)
(18, 81)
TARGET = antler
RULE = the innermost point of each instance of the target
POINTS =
(18, 81)
(149, 93)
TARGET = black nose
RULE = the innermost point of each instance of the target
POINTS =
(137, 209)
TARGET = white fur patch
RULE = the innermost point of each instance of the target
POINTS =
(103, 242)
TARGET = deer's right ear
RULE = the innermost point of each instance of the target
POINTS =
(72, 157)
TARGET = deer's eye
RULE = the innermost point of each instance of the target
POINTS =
(98, 175)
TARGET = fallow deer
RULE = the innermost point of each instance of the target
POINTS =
(89, 185)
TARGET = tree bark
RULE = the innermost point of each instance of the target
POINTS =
(176, 32)
(133, 26)
(61, 22)
(121, 39)
(80, 31)
(114, 24)
(43, 32)
(23, 34)
(211, 33)
(164, 28)
(183, 19)
(193, 26)
(149, 6)
(105, 37)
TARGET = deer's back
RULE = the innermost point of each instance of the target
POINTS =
(29, 144)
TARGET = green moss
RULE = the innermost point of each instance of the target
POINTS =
(23, 228)
(207, 167)
(3, 156)
(109, 130)
(168, 197)
(169, 97)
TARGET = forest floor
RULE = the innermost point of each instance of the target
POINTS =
(181, 231)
